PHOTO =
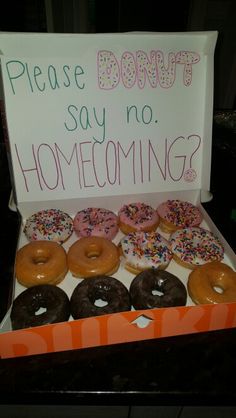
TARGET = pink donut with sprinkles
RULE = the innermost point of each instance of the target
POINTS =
(49, 225)
(96, 222)
(137, 217)
(145, 250)
(177, 214)
(192, 247)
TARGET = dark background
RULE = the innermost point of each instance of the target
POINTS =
(132, 15)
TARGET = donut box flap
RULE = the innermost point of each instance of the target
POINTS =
(101, 115)
(97, 120)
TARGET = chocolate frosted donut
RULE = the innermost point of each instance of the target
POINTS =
(53, 299)
(105, 288)
(142, 288)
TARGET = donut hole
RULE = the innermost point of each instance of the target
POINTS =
(99, 298)
(93, 254)
(100, 303)
(41, 310)
(218, 289)
(156, 292)
(40, 260)
(38, 306)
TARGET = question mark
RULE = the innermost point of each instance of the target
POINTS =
(190, 137)
(190, 174)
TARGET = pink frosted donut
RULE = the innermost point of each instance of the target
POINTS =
(96, 222)
(137, 217)
(176, 214)
(145, 250)
(192, 247)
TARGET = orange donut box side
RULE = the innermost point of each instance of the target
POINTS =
(117, 328)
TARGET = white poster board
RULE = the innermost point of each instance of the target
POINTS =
(108, 114)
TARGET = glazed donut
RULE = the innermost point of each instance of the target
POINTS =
(171, 289)
(195, 246)
(176, 214)
(92, 256)
(137, 217)
(53, 300)
(49, 225)
(107, 289)
(204, 280)
(40, 262)
(96, 222)
(145, 250)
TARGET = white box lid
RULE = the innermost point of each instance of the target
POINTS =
(108, 114)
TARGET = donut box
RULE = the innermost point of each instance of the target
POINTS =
(102, 121)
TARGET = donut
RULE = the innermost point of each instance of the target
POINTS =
(170, 291)
(137, 217)
(49, 225)
(92, 256)
(96, 222)
(53, 301)
(177, 214)
(40, 262)
(104, 288)
(204, 281)
(145, 250)
(195, 246)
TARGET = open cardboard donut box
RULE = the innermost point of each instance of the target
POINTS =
(100, 121)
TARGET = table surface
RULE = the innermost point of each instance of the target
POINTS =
(192, 369)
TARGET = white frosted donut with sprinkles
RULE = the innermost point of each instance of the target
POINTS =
(145, 250)
(49, 225)
(96, 222)
(192, 247)
(176, 214)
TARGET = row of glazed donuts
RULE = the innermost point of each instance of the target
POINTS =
(148, 290)
(84, 302)
(47, 262)
(56, 225)
(40, 262)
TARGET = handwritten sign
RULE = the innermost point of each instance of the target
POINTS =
(93, 115)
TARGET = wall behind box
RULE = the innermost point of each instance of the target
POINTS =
(63, 16)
